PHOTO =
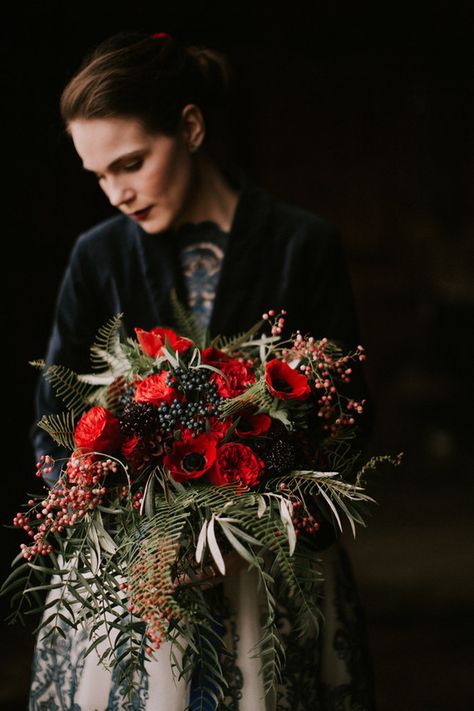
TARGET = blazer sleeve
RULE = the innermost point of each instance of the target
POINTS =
(74, 326)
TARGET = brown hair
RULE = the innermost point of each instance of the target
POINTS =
(133, 74)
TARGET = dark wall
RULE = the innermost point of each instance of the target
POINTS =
(366, 119)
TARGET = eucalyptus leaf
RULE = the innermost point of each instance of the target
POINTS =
(214, 547)
(241, 550)
(201, 542)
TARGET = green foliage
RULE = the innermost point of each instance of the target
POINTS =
(237, 341)
(374, 462)
(74, 394)
(60, 427)
(106, 351)
(257, 394)
(186, 323)
(185, 524)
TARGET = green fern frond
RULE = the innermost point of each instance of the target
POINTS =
(374, 461)
(236, 341)
(60, 427)
(64, 381)
(107, 341)
(185, 320)
(257, 394)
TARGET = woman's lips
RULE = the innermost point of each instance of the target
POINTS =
(141, 214)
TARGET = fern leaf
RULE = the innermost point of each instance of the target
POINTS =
(107, 341)
(65, 383)
(186, 323)
(60, 427)
(236, 341)
(257, 394)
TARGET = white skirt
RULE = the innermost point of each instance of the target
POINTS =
(328, 672)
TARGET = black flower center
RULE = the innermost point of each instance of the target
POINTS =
(282, 386)
(194, 461)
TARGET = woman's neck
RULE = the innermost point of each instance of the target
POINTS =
(213, 198)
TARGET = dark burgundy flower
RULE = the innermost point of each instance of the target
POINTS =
(141, 451)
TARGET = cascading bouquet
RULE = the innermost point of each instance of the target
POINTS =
(183, 450)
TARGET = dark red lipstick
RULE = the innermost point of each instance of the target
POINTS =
(141, 214)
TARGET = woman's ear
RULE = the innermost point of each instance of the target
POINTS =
(193, 126)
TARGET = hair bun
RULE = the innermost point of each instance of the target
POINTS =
(214, 70)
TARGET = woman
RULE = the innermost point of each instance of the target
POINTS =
(141, 112)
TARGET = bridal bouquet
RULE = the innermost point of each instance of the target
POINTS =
(183, 451)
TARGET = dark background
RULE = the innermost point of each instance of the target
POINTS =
(365, 118)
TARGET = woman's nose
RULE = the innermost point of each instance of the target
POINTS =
(118, 193)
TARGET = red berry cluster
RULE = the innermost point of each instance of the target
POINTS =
(278, 320)
(322, 366)
(301, 521)
(136, 498)
(80, 490)
(149, 589)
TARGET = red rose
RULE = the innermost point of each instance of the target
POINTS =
(240, 377)
(98, 430)
(251, 425)
(153, 341)
(286, 383)
(155, 390)
(236, 463)
(190, 458)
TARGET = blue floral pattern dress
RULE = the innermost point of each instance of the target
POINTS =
(329, 673)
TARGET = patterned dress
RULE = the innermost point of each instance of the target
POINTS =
(329, 673)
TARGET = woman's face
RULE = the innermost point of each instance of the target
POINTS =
(138, 170)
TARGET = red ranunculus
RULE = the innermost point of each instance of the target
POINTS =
(240, 377)
(98, 430)
(154, 389)
(236, 463)
(251, 425)
(153, 341)
(190, 458)
(286, 383)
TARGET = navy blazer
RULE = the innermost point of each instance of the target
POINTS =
(278, 256)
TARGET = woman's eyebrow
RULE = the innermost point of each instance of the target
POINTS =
(116, 161)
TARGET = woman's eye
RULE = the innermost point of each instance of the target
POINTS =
(134, 166)
(128, 168)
